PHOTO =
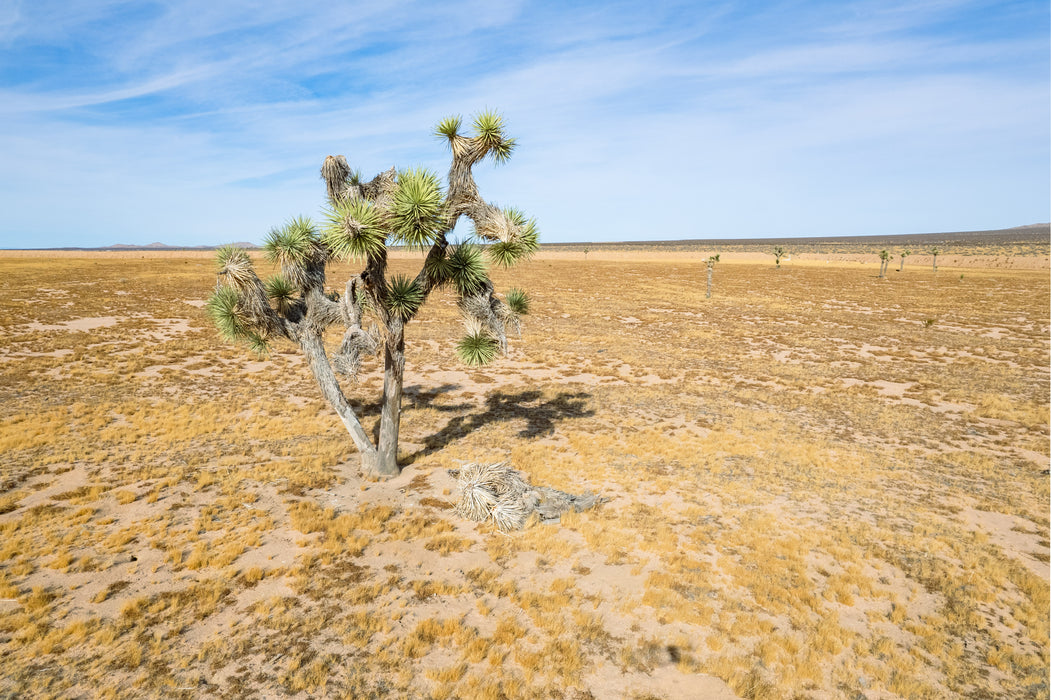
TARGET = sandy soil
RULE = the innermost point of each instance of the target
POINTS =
(817, 483)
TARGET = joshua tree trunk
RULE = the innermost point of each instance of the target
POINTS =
(934, 264)
(390, 416)
(710, 262)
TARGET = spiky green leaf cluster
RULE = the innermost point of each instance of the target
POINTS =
(523, 244)
(489, 130)
(235, 264)
(225, 311)
(222, 307)
(353, 229)
(417, 212)
(281, 292)
(489, 126)
(504, 253)
(258, 344)
(403, 297)
(230, 255)
(478, 348)
(528, 236)
(518, 301)
(502, 151)
(464, 268)
(291, 245)
(438, 269)
(449, 127)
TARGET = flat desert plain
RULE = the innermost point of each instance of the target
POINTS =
(819, 484)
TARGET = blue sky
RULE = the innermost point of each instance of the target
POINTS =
(206, 122)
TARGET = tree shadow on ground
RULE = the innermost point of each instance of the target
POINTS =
(411, 397)
(417, 397)
(540, 416)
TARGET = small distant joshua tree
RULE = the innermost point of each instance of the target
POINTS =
(407, 207)
(779, 253)
(710, 262)
(904, 254)
(586, 251)
(934, 258)
(884, 261)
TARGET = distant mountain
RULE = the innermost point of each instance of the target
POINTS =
(1027, 233)
(165, 246)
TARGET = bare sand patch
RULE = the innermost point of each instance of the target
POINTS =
(1019, 538)
(77, 324)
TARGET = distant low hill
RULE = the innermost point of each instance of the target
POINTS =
(125, 247)
(1030, 233)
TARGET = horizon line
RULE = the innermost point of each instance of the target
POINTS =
(1030, 229)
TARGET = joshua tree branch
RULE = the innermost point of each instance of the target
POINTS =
(314, 349)
(423, 280)
(375, 279)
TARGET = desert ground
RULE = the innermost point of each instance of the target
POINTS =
(819, 484)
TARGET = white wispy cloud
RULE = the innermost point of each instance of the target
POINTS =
(200, 122)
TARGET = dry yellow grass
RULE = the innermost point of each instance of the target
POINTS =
(821, 485)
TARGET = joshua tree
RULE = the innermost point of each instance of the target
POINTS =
(934, 258)
(586, 251)
(779, 253)
(904, 254)
(710, 262)
(362, 219)
(884, 260)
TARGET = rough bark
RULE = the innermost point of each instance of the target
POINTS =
(390, 415)
(314, 348)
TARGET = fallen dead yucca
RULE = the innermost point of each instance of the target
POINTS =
(492, 490)
(511, 513)
(499, 492)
